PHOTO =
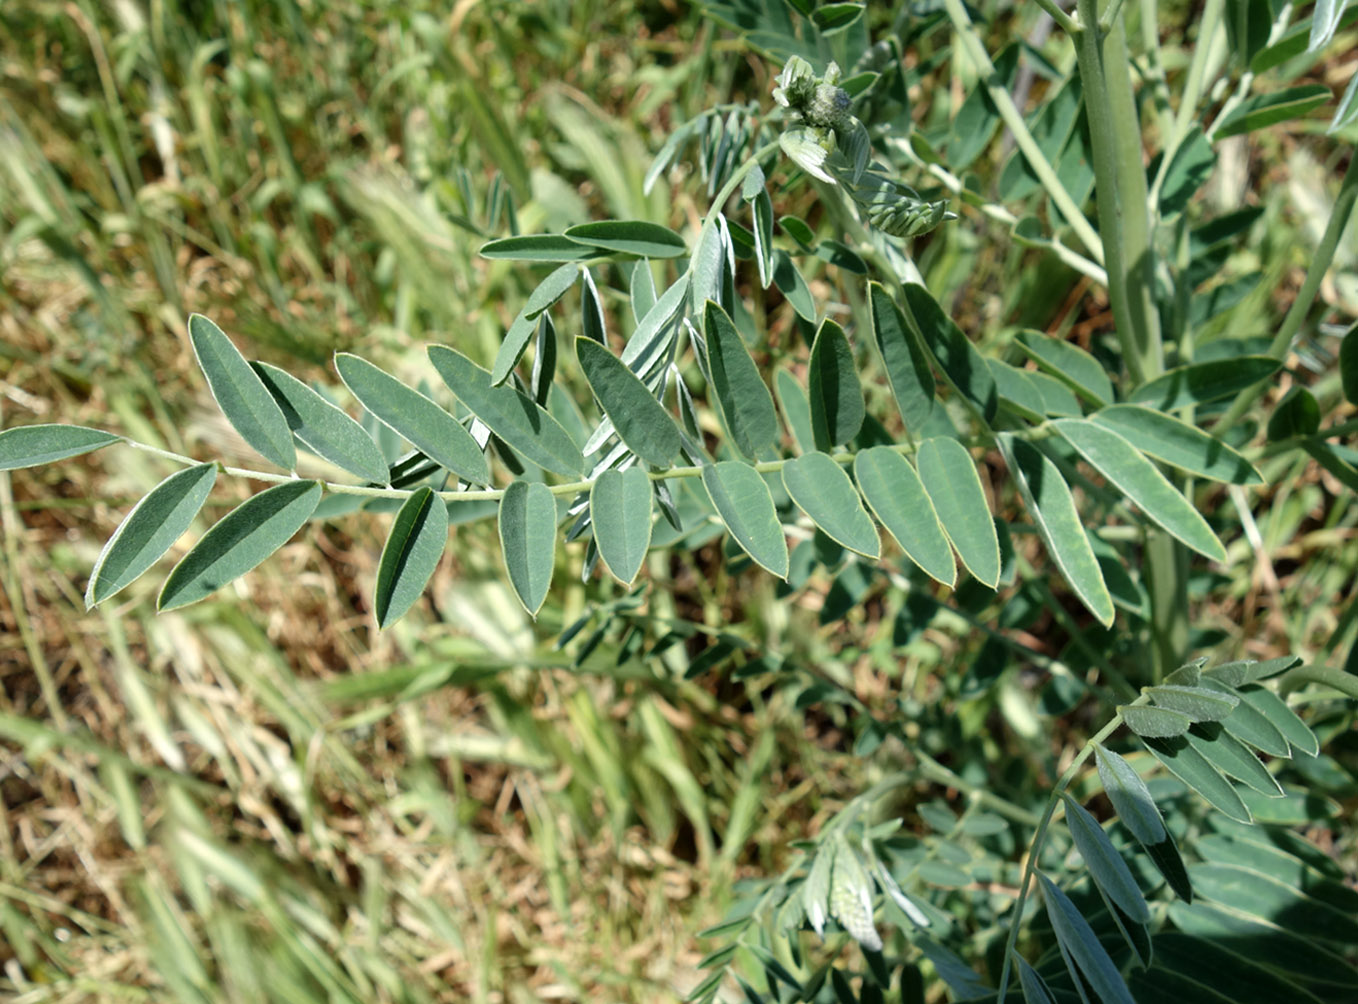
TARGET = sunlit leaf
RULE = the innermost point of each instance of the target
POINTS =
(1082, 947)
(620, 515)
(1200, 383)
(1176, 442)
(823, 491)
(149, 530)
(323, 428)
(409, 413)
(898, 498)
(241, 395)
(412, 552)
(948, 473)
(1200, 704)
(745, 402)
(32, 445)
(538, 247)
(1070, 364)
(642, 423)
(837, 408)
(638, 237)
(1261, 110)
(1106, 865)
(907, 367)
(239, 541)
(527, 527)
(1161, 723)
(745, 505)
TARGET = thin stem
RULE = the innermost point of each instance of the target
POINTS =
(1013, 118)
(1194, 86)
(1039, 838)
(1329, 676)
(1068, 23)
(1110, 16)
(999, 214)
(1301, 306)
(729, 189)
(935, 771)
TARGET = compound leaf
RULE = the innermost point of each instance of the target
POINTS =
(32, 445)
(412, 552)
(410, 414)
(896, 495)
(837, 408)
(322, 428)
(642, 423)
(241, 395)
(1282, 718)
(239, 541)
(824, 492)
(1049, 502)
(745, 402)
(509, 413)
(745, 505)
(620, 514)
(1194, 770)
(149, 530)
(949, 476)
(528, 540)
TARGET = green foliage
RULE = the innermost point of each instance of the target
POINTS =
(957, 439)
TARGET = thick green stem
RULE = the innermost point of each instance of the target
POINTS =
(1120, 188)
(1329, 676)
(1013, 118)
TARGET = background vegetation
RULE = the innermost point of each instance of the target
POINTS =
(270, 800)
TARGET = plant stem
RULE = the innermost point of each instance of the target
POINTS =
(1301, 306)
(1061, 17)
(1013, 118)
(1120, 189)
(1039, 838)
(1194, 85)
(935, 771)
(1299, 676)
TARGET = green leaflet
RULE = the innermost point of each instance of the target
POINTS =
(1194, 770)
(1282, 718)
(1106, 865)
(239, 541)
(1248, 725)
(1237, 674)
(745, 505)
(1081, 947)
(762, 208)
(1200, 704)
(538, 247)
(796, 410)
(896, 495)
(1348, 364)
(1265, 939)
(1259, 894)
(707, 267)
(1262, 110)
(1203, 382)
(243, 398)
(1018, 391)
(651, 339)
(528, 540)
(509, 413)
(1297, 414)
(837, 408)
(641, 290)
(1035, 989)
(907, 366)
(824, 492)
(1070, 364)
(1160, 723)
(949, 476)
(521, 331)
(1058, 399)
(1174, 441)
(32, 445)
(1230, 756)
(620, 515)
(322, 428)
(1236, 977)
(793, 286)
(1130, 796)
(1142, 483)
(745, 402)
(1049, 502)
(410, 414)
(412, 552)
(591, 310)
(149, 530)
(639, 419)
(646, 240)
(964, 367)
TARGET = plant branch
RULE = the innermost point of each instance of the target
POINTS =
(1061, 17)
(1035, 851)
(1299, 676)
(1013, 119)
